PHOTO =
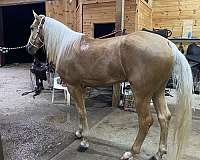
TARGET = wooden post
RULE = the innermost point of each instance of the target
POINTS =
(137, 15)
(1, 150)
(2, 57)
(119, 25)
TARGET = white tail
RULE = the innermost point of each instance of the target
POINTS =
(182, 76)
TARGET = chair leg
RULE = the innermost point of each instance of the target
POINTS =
(53, 95)
(65, 95)
(68, 98)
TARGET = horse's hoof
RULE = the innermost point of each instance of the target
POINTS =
(78, 134)
(83, 146)
(127, 156)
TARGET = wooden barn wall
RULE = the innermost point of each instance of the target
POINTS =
(144, 15)
(97, 13)
(171, 14)
(130, 15)
(61, 10)
(104, 12)
(82, 16)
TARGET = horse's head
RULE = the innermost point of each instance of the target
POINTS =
(36, 40)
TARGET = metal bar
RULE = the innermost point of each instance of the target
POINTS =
(1, 150)
(178, 40)
(122, 16)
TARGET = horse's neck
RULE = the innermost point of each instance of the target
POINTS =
(58, 54)
(60, 40)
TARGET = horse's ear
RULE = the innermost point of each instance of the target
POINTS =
(35, 15)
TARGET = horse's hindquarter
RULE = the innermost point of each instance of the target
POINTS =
(147, 60)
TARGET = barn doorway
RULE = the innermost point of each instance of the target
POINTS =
(102, 29)
(16, 29)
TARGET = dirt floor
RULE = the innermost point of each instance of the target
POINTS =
(36, 129)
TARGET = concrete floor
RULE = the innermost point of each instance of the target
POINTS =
(35, 129)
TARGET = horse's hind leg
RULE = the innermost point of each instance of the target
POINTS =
(145, 120)
(164, 116)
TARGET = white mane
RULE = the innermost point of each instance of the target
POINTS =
(59, 40)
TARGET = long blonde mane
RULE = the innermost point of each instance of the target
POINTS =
(59, 40)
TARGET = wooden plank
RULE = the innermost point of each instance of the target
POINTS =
(97, 1)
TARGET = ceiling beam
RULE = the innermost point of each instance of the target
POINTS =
(17, 2)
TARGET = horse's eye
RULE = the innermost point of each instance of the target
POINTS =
(31, 28)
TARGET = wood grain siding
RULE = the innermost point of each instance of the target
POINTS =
(62, 11)
(130, 14)
(144, 15)
(105, 13)
(82, 16)
(171, 14)
(97, 13)
(96, 1)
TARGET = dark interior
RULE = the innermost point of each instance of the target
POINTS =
(103, 29)
(16, 23)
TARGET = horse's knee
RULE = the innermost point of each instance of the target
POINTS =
(149, 121)
(146, 122)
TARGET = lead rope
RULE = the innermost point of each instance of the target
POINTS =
(6, 49)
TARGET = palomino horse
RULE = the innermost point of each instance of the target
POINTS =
(144, 59)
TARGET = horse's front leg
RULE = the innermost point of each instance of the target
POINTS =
(77, 93)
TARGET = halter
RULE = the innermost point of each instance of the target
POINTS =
(36, 36)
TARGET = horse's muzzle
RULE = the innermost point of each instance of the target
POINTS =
(31, 49)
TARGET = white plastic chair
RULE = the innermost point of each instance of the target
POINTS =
(56, 85)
